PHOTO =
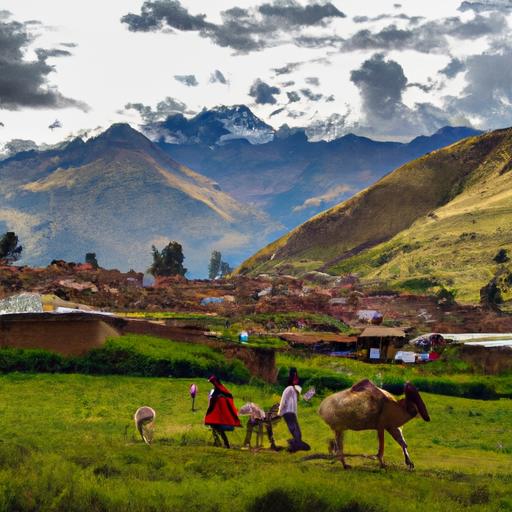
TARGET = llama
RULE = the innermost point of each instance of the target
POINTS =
(144, 421)
(258, 418)
(366, 407)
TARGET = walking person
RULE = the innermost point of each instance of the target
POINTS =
(288, 410)
(221, 415)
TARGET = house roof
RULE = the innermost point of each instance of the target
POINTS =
(382, 332)
(311, 338)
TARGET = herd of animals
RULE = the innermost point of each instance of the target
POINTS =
(364, 406)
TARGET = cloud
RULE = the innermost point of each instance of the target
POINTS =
(15, 146)
(381, 85)
(23, 82)
(487, 96)
(243, 30)
(188, 80)
(55, 124)
(295, 114)
(453, 68)
(332, 195)
(218, 77)
(293, 96)
(430, 36)
(313, 80)
(424, 87)
(310, 95)
(278, 111)
(43, 54)
(155, 14)
(486, 6)
(287, 68)
(263, 93)
(328, 129)
(366, 19)
(168, 106)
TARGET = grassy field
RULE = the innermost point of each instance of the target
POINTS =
(68, 444)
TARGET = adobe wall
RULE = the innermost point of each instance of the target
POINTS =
(491, 361)
(67, 336)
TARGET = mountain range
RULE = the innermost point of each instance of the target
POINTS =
(116, 195)
(281, 171)
(222, 179)
(439, 220)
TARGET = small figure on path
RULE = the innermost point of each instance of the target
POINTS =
(193, 392)
(221, 415)
(288, 410)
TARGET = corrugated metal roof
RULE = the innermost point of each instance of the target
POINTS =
(382, 332)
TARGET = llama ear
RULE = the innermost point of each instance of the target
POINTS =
(413, 395)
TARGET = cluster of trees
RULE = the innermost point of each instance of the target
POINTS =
(218, 268)
(167, 262)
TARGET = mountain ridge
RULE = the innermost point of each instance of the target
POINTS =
(291, 178)
(459, 194)
(117, 194)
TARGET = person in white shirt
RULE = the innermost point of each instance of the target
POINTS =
(288, 410)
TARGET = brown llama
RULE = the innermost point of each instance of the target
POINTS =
(366, 407)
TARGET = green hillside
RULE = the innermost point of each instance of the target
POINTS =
(442, 217)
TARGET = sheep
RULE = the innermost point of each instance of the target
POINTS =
(144, 420)
(366, 407)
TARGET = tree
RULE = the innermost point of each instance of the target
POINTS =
(10, 251)
(90, 258)
(501, 256)
(490, 296)
(225, 269)
(169, 261)
(214, 266)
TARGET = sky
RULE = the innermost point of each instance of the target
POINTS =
(389, 70)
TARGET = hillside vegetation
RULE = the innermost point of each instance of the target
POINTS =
(442, 218)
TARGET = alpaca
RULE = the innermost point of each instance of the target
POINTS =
(144, 420)
(366, 407)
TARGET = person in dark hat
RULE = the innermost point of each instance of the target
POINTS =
(288, 410)
(221, 415)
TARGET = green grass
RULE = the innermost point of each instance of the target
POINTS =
(447, 376)
(130, 355)
(68, 444)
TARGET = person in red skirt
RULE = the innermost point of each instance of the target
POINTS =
(222, 415)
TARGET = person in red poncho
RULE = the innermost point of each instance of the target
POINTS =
(221, 415)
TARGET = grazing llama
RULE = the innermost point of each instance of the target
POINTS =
(366, 407)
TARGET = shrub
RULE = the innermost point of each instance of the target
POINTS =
(130, 355)
(501, 256)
